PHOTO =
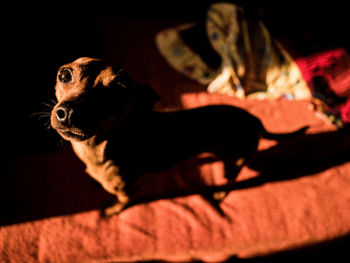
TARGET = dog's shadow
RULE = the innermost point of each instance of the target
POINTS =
(56, 184)
(302, 156)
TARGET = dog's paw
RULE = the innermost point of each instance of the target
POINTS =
(219, 196)
(113, 210)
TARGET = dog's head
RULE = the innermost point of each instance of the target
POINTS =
(94, 97)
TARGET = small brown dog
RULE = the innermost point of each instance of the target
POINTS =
(111, 125)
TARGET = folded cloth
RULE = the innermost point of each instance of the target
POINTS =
(255, 65)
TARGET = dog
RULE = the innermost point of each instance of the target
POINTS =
(113, 129)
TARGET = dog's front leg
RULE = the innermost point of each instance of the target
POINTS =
(122, 200)
(114, 184)
(108, 175)
(116, 187)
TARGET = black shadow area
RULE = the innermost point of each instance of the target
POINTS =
(302, 156)
(47, 185)
(52, 184)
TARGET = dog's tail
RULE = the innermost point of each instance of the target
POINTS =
(281, 136)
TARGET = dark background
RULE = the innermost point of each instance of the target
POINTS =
(37, 39)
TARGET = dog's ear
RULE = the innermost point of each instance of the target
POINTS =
(145, 97)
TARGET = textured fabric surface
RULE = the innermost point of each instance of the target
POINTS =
(298, 196)
(327, 74)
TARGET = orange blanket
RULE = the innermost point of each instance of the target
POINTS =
(297, 196)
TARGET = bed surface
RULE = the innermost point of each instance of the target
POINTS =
(294, 196)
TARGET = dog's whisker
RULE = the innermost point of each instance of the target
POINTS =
(61, 143)
(41, 112)
(46, 104)
(53, 101)
(46, 111)
(47, 125)
(51, 104)
(40, 115)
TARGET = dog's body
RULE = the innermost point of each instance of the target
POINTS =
(114, 131)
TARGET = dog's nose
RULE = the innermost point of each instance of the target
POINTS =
(62, 114)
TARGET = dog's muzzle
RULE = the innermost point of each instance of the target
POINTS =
(70, 122)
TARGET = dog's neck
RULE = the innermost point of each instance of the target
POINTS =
(90, 151)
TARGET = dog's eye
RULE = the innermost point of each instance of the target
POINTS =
(65, 75)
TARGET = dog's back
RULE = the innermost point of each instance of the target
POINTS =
(156, 140)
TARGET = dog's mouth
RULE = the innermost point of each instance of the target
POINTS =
(70, 128)
(74, 134)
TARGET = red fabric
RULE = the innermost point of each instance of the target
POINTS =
(345, 111)
(334, 66)
(275, 214)
(302, 200)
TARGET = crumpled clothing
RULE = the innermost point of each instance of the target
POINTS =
(253, 64)
(328, 76)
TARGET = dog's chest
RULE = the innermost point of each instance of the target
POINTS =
(92, 155)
